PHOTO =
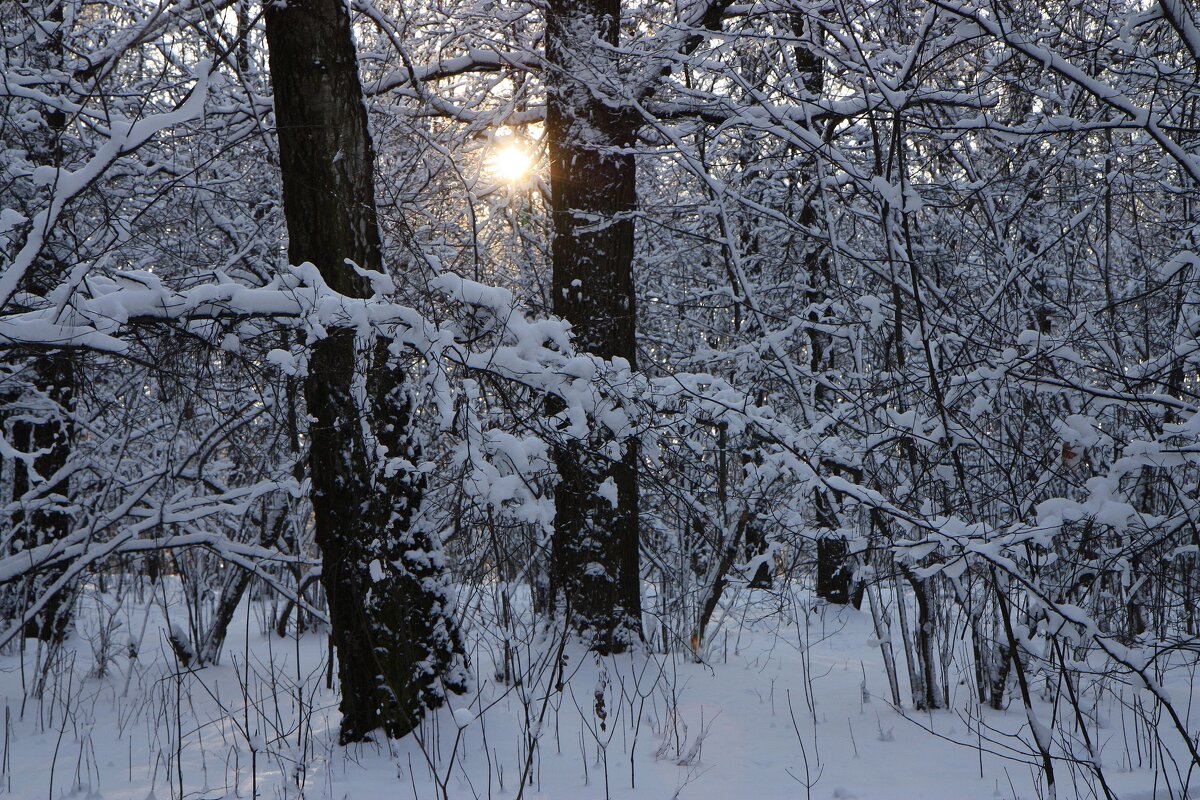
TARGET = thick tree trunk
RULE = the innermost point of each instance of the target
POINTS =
(594, 563)
(46, 426)
(388, 600)
(48, 431)
(834, 570)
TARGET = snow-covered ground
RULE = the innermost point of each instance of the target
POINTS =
(791, 704)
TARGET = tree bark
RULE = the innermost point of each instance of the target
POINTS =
(594, 560)
(389, 606)
(46, 426)
(834, 569)
(926, 651)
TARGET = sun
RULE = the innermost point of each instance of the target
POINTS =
(511, 163)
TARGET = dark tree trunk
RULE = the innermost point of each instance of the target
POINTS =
(49, 431)
(389, 610)
(834, 570)
(46, 425)
(756, 535)
(594, 562)
(1000, 675)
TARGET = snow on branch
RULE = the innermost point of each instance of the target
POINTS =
(66, 185)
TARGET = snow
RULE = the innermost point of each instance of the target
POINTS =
(608, 490)
(795, 699)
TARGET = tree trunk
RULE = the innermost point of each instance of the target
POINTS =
(926, 651)
(716, 581)
(389, 605)
(834, 569)
(234, 581)
(46, 425)
(883, 633)
(594, 561)
(49, 431)
(916, 679)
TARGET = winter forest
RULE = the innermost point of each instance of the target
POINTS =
(595, 399)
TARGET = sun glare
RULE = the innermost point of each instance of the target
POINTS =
(511, 163)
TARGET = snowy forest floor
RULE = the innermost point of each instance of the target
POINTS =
(792, 703)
